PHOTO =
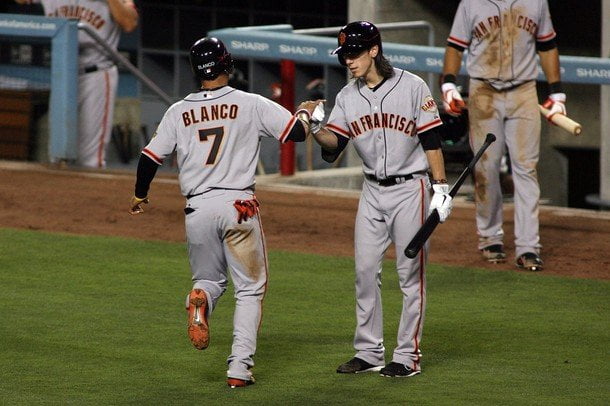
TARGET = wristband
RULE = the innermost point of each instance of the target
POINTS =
(449, 78)
(555, 87)
(303, 114)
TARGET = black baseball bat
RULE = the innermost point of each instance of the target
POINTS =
(433, 219)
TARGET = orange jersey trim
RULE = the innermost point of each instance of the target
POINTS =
(339, 130)
(430, 125)
(286, 131)
(459, 42)
(547, 37)
(152, 156)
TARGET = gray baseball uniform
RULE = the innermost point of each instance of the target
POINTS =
(501, 40)
(98, 76)
(216, 135)
(383, 123)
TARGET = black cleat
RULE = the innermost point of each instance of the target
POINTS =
(396, 370)
(530, 261)
(357, 366)
(494, 253)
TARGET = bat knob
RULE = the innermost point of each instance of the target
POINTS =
(490, 138)
(411, 252)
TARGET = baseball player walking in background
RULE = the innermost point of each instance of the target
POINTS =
(98, 75)
(216, 134)
(502, 38)
(391, 117)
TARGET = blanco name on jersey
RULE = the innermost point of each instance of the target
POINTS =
(210, 113)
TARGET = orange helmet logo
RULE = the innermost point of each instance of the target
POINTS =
(342, 38)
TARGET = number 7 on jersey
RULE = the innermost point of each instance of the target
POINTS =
(218, 134)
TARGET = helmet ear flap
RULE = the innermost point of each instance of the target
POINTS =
(229, 64)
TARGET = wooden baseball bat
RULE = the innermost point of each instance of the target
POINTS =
(563, 121)
(433, 219)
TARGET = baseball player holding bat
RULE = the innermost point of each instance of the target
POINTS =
(98, 75)
(216, 133)
(391, 118)
(502, 39)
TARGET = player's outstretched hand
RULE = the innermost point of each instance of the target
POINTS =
(136, 205)
(556, 104)
(452, 99)
(311, 105)
(313, 110)
(441, 201)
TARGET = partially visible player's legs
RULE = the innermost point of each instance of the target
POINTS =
(371, 241)
(244, 247)
(523, 140)
(406, 217)
(207, 261)
(485, 113)
(96, 95)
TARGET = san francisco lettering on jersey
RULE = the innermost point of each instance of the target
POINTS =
(209, 113)
(484, 27)
(382, 120)
(80, 13)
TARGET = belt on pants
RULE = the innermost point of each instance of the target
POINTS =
(505, 89)
(393, 180)
(93, 68)
(190, 196)
(196, 194)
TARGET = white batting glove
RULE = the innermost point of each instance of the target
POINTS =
(452, 100)
(442, 202)
(317, 117)
(555, 103)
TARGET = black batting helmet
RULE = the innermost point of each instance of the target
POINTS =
(356, 37)
(209, 58)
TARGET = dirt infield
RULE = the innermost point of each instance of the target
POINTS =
(95, 203)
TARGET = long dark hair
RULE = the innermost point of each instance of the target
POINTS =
(383, 66)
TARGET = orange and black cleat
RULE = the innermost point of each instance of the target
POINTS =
(198, 329)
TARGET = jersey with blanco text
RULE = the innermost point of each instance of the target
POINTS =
(216, 135)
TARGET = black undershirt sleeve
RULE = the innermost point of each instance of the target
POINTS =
(459, 48)
(546, 45)
(331, 156)
(147, 168)
(430, 139)
(297, 133)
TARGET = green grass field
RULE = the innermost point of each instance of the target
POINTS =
(92, 320)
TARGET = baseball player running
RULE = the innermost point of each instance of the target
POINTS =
(98, 76)
(216, 134)
(502, 38)
(391, 118)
